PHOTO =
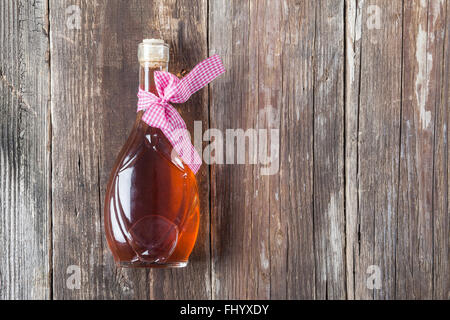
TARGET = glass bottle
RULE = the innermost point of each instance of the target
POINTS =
(151, 205)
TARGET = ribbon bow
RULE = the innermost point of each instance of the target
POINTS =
(160, 114)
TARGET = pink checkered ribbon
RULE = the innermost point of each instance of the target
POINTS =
(160, 114)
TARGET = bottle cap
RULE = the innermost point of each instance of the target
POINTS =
(153, 50)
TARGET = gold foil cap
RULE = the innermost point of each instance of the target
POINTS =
(153, 50)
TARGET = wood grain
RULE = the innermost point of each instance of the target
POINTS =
(353, 15)
(328, 100)
(421, 94)
(297, 271)
(239, 241)
(393, 224)
(377, 75)
(293, 222)
(25, 248)
(441, 172)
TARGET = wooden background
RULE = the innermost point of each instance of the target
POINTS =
(362, 110)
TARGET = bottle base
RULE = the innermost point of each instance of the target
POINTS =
(143, 264)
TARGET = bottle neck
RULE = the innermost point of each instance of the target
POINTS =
(146, 74)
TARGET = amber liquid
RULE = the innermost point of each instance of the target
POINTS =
(151, 206)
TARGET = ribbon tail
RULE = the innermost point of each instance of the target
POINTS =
(181, 142)
(202, 74)
(159, 113)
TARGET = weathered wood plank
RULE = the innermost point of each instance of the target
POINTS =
(423, 40)
(24, 157)
(372, 247)
(239, 231)
(295, 265)
(441, 170)
(265, 236)
(419, 238)
(328, 101)
(94, 85)
(77, 119)
(353, 14)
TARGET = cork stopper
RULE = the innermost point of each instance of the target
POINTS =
(153, 51)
